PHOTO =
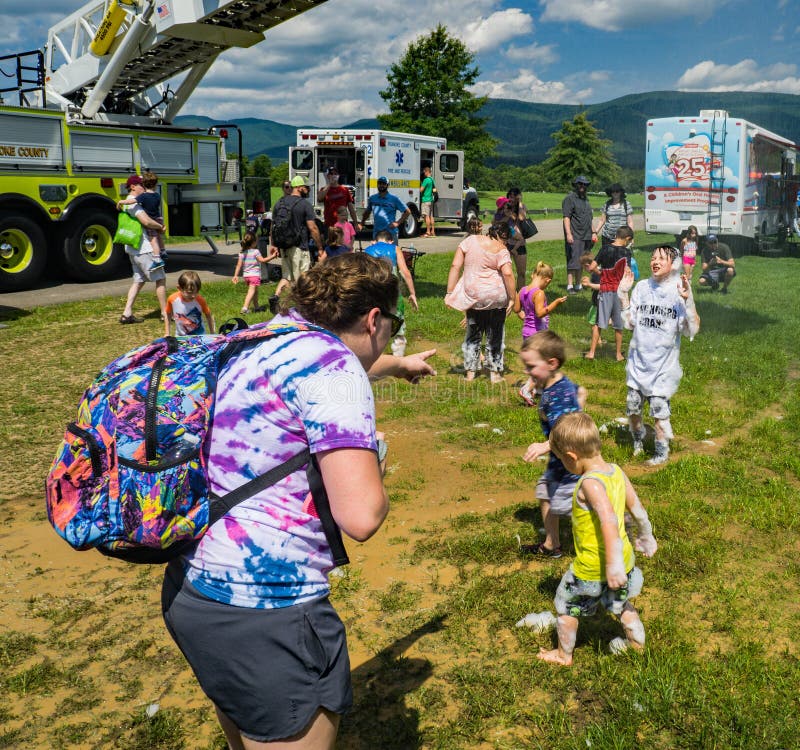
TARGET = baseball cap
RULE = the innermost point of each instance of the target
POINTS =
(581, 180)
(331, 170)
(299, 181)
(383, 179)
(134, 179)
(711, 238)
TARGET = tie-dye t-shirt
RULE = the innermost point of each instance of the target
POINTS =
(274, 400)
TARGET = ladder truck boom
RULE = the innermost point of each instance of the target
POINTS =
(156, 41)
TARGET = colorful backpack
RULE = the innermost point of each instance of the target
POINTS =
(130, 476)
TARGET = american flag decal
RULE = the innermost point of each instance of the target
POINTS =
(163, 10)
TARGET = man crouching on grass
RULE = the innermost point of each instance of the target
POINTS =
(603, 571)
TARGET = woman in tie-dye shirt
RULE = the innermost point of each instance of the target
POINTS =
(249, 605)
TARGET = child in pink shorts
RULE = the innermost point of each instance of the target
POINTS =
(249, 264)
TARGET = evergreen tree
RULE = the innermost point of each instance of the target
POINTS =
(427, 94)
(579, 150)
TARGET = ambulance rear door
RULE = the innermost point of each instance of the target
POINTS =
(302, 162)
(449, 179)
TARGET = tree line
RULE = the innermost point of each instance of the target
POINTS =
(428, 94)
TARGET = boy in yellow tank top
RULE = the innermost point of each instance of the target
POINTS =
(604, 570)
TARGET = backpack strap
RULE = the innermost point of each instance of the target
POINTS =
(219, 506)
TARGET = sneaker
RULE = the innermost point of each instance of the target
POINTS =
(571, 290)
(579, 288)
(661, 455)
(260, 308)
(273, 304)
(244, 311)
(157, 263)
(527, 396)
(540, 549)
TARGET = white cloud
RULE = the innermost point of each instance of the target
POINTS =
(745, 75)
(540, 54)
(497, 29)
(527, 86)
(615, 15)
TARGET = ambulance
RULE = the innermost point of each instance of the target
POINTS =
(362, 156)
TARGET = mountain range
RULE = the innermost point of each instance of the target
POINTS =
(524, 129)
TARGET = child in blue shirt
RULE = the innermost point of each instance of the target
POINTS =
(543, 354)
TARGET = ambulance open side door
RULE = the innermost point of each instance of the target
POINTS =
(302, 163)
(449, 179)
(361, 185)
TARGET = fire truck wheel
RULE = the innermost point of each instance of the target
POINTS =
(410, 227)
(23, 252)
(89, 250)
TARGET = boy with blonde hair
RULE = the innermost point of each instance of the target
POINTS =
(604, 570)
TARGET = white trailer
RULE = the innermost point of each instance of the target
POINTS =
(720, 173)
(362, 156)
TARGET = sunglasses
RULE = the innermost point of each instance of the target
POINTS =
(397, 322)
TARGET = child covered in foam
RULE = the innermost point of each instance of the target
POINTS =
(604, 571)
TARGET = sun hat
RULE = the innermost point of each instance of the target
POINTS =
(501, 201)
(134, 179)
(299, 181)
(581, 180)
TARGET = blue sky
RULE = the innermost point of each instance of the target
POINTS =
(326, 66)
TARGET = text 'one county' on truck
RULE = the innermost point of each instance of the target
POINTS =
(362, 156)
(96, 106)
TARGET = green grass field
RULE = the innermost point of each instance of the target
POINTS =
(430, 603)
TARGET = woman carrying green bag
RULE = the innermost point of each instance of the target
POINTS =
(140, 252)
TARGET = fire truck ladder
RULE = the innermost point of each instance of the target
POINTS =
(27, 78)
(716, 173)
(153, 41)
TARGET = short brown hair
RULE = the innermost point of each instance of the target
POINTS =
(549, 345)
(624, 233)
(189, 281)
(149, 180)
(586, 259)
(334, 294)
(575, 433)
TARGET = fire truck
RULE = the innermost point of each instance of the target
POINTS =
(723, 174)
(362, 156)
(96, 106)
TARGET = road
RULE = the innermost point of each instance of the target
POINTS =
(219, 267)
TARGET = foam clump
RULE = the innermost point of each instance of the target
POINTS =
(538, 621)
(618, 646)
